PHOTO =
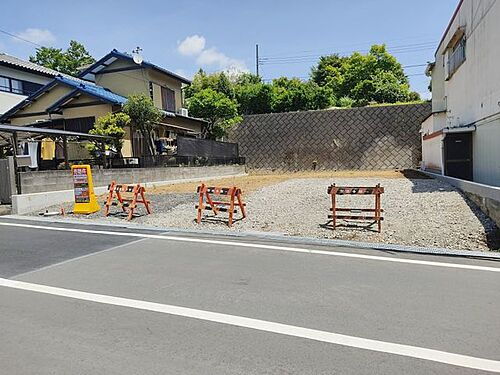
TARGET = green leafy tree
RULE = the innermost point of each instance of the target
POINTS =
(217, 109)
(111, 124)
(374, 77)
(329, 70)
(252, 95)
(217, 81)
(144, 116)
(295, 95)
(68, 62)
(345, 102)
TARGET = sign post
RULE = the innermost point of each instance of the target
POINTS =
(85, 199)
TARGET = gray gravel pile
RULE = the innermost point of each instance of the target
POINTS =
(160, 203)
(418, 212)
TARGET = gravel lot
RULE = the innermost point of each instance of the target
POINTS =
(418, 212)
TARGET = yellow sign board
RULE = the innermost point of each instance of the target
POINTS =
(85, 199)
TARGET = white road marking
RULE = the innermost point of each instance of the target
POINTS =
(266, 326)
(260, 246)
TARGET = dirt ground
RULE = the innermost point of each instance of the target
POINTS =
(258, 179)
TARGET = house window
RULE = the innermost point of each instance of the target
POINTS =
(168, 99)
(17, 86)
(4, 84)
(456, 56)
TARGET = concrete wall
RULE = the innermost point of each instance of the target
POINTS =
(485, 196)
(385, 137)
(46, 188)
(36, 182)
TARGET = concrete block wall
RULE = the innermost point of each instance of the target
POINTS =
(45, 181)
(48, 188)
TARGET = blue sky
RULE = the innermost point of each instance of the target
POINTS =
(184, 36)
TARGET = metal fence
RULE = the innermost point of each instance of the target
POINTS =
(185, 161)
(206, 148)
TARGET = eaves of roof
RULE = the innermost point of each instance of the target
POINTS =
(101, 64)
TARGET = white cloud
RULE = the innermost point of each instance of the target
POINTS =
(194, 45)
(39, 36)
(212, 57)
(191, 46)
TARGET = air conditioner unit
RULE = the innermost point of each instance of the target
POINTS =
(183, 112)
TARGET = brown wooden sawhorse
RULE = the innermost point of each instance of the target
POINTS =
(377, 218)
(235, 200)
(128, 205)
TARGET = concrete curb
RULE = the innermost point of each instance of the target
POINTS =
(492, 255)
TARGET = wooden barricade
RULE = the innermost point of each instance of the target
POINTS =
(377, 218)
(128, 205)
(235, 200)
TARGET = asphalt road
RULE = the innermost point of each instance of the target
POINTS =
(311, 312)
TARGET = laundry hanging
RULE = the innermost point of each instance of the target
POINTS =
(33, 153)
(48, 149)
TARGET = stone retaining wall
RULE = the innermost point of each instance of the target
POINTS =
(385, 137)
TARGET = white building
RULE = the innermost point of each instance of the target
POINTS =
(20, 78)
(462, 136)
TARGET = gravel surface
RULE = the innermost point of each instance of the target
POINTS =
(418, 212)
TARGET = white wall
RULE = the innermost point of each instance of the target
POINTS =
(431, 148)
(7, 99)
(473, 91)
(472, 94)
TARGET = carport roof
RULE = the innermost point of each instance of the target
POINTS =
(5, 128)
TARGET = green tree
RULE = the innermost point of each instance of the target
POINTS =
(144, 117)
(68, 62)
(345, 102)
(374, 77)
(111, 124)
(217, 109)
(252, 95)
(217, 81)
(295, 95)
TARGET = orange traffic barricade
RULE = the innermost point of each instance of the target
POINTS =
(375, 218)
(128, 204)
(206, 202)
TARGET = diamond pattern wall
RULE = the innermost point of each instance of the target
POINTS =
(358, 138)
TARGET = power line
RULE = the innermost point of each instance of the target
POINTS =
(20, 38)
(313, 58)
(422, 36)
(393, 48)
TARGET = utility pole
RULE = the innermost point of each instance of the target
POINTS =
(257, 59)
